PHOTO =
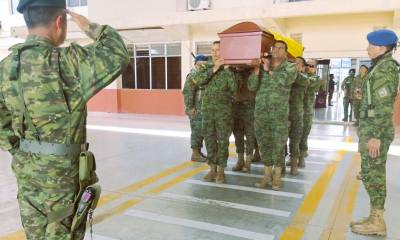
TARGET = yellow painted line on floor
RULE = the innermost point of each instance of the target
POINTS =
(178, 179)
(131, 202)
(232, 145)
(232, 154)
(20, 235)
(141, 184)
(341, 214)
(307, 209)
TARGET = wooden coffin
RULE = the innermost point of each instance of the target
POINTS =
(243, 43)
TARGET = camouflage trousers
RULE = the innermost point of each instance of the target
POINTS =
(346, 104)
(373, 172)
(217, 128)
(295, 132)
(46, 185)
(356, 109)
(243, 126)
(271, 138)
(307, 124)
(196, 136)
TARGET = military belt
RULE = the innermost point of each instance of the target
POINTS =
(59, 149)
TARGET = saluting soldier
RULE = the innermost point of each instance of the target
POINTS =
(44, 90)
(376, 131)
(193, 98)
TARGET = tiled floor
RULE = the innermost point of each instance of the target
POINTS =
(151, 190)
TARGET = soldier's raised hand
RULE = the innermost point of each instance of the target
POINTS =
(81, 21)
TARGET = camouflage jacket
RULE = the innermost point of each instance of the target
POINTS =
(309, 97)
(297, 92)
(219, 86)
(346, 86)
(273, 91)
(192, 93)
(243, 94)
(356, 86)
(383, 80)
(54, 85)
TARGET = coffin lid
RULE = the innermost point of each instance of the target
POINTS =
(243, 27)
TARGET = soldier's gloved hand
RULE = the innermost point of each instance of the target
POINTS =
(81, 21)
(374, 146)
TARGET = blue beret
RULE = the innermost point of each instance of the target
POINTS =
(382, 37)
(200, 58)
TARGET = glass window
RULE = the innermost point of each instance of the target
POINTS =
(142, 50)
(174, 49)
(73, 3)
(143, 72)
(14, 5)
(128, 75)
(158, 73)
(76, 3)
(174, 72)
(157, 50)
(203, 48)
(153, 66)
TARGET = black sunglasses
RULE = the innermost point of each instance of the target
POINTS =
(311, 66)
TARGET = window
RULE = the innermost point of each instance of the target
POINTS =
(14, 5)
(203, 48)
(153, 66)
(76, 3)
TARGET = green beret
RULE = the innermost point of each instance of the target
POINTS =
(40, 3)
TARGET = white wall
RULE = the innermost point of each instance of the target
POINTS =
(339, 35)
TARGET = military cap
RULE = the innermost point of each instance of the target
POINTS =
(40, 3)
(382, 37)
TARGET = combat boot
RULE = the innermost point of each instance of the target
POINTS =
(247, 164)
(267, 178)
(301, 163)
(239, 164)
(220, 175)
(361, 221)
(196, 156)
(293, 166)
(276, 179)
(256, 156)
(212, 174)
(375, 225)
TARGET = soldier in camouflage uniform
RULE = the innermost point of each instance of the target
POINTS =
(376, 131)
(243, 124)
(43, 94)
(357, 93)
(272, 111)
(192, 96)
(296, 111)
(309, 101)
(220, 85)
(347, 99)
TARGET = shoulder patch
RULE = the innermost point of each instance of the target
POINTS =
(383, 92)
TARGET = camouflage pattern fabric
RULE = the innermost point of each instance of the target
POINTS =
(356, 102)
(383, 81)
(296, 112)
(347, 98)
(217, 111)
(56, 84)
(243, 115)
(272, 111)
(309, 102)
(192, 96)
